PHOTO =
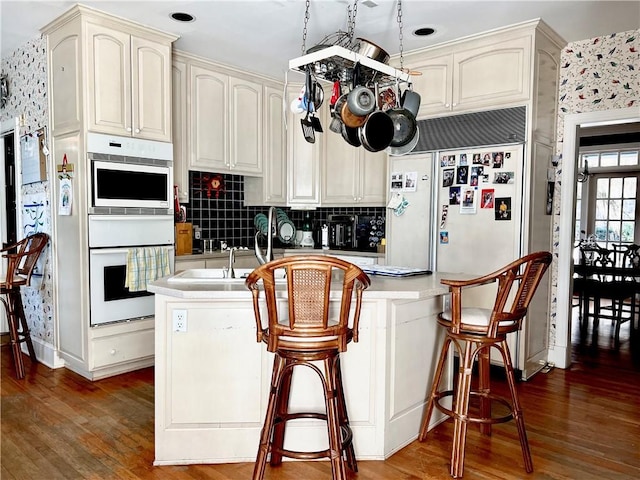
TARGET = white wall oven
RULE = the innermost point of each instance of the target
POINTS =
(130, 211)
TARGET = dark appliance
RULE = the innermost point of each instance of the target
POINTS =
(342, 231)
(370, 230)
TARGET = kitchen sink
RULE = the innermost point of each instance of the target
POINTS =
(217, 275)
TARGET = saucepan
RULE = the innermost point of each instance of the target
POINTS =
(404, 125)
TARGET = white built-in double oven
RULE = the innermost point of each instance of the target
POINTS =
(130, 207)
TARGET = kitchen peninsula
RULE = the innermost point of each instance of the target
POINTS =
(211, 381)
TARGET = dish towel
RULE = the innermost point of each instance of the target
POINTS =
(145, 265)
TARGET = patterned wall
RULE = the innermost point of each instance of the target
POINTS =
(26, 69)
(601, 73)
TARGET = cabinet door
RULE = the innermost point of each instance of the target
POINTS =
(179, 81)
(109, 89)
(209, 120)
(340, 181)
(434, 85)
(151, 89)
(245, 108)
(372, 191)
(492, 75)
(303, 165)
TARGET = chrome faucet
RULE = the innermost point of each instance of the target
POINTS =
(271, 231)
(232, 260)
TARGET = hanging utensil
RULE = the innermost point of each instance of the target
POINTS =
(308, 129)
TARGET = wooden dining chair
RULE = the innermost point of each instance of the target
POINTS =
(311, 331)
(473, 332)
(21, 258)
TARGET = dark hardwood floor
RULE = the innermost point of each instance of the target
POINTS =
(582, 423)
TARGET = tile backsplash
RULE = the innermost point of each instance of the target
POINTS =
(222, 215)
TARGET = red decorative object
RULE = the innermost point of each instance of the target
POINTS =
(210, 183)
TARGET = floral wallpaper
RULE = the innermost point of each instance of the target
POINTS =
(26, 70)
(601, 73)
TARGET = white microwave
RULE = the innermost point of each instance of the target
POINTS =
(131, 185)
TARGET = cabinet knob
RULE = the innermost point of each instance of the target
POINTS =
(113, 351)
(128, 129)
(137, 130)
(455, 104)
(448, 105)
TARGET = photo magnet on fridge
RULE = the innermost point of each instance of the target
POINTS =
(503, 208)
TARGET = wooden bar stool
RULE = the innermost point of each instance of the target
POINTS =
(21, 260)
(310, 333)
(473, 331)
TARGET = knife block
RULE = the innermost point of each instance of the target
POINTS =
(184, 239)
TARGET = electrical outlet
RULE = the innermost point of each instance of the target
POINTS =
(446, 302)
(179, 320)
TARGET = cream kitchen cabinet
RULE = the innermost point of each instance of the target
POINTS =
(225, 122)
(179, 126)
(474, 74)
(331, 172)
(352, 176)
(271, 188)
(129, 83)
(108, 75)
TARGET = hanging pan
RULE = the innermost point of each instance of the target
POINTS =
(404, 125)
(377, 132)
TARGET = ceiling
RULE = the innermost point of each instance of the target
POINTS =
(261, 36)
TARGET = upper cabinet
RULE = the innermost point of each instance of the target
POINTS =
(224, 111)
(489, 71)
(125, 67)
(331, 172)
(271, 188)
(129, 84)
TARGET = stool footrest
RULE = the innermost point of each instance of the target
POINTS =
(470, 417)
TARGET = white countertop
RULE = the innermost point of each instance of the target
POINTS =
(411, 288)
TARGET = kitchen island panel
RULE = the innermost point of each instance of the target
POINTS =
(212, 382)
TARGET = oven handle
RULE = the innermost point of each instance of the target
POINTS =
(110, 251)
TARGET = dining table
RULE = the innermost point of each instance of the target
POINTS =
(619, 284)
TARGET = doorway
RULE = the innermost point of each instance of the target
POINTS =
(560, 352)
(8, 197)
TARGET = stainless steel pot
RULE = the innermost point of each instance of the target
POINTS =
(370, 50)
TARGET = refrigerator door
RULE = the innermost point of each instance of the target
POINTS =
(409, 235)
(482, 230)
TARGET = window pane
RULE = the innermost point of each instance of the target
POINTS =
(616, 188)
(615, 209)
(592, 158)
(601, 230)
(602, 207)
(628, 209)
(627, 232)
(630, 184)
(629, 158)
(609, 159)
(614, 232)
(602, 188)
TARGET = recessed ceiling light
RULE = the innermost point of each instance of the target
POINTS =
(182, 17)
(424, 32)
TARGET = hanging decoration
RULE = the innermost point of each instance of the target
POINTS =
(210, 183)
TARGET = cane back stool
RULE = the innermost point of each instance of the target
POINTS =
(472, 332)
(21, 260)
(311, 332)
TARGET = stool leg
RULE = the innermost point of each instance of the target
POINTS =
(428, 409)
(517, 409)
(338, 470)
(24, 327)
(461, 410)
(14, 338)
(484, 388)
(282, 408)
(265, 434)
(344, 418)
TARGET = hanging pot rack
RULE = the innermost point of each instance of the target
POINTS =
(332, 63)
(334, 59)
